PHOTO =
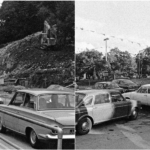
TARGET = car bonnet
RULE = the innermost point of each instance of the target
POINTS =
(64, 117)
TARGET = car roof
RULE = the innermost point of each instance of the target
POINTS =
(146, 85)
(104, 82)
(122, 79)
(37, 92)
(103, 91)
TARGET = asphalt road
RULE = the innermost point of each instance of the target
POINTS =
(119, 134)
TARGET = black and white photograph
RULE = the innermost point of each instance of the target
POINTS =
(112, 49)
(74, 74)
(37, 75)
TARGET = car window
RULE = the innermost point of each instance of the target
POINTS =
(18, 99)
(101, 98)
(30, 101)
(56, 101)
(121, 82)
(79, 98)
(110, 86)
(142, 90)
(116, 97)
(88, 100)
(99, 86)
(114, 85)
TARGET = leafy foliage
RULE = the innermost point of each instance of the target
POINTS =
(143, 62)
(21, 18)
(120, 61)
(90, 62)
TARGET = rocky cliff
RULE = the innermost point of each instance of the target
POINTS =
(26, 58)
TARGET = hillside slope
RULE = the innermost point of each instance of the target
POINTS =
(26, 58)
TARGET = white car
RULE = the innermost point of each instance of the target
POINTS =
(142, 94)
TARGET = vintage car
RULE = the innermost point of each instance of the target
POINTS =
(55, 108)
(108, 85)
(96, 106)
(142, 94)
(126, 84)
(1, 101)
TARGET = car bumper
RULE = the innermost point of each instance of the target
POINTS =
(48, 136)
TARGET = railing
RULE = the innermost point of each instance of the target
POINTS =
(59, 130)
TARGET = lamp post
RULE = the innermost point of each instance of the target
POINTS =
(106, 48)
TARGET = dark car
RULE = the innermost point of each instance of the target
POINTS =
(108, 85)
(126, 84)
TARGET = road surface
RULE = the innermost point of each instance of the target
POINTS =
(119, 134)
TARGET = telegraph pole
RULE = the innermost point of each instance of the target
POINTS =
(106, 48)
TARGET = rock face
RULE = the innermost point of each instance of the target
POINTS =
(24, 58)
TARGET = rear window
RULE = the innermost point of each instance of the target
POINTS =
(116, 97)
(56, 101)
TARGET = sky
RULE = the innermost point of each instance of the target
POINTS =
(125, 23)
(1, 2)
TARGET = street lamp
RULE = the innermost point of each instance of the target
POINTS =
(106, 48)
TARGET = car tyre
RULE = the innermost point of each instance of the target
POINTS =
(2, 128)
(84, 126)
(33, 139)
(134, 114)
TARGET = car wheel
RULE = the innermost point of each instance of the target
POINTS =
(84, 126)
(134, 114)
(33, 139)
(2, 128)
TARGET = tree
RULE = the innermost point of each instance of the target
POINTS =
(89, 62)
(21, 18)
(120, 61)
(143, 61)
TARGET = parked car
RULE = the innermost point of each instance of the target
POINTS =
(54, 108)
(142, 94)
(126, 84)
(108, 85)
(96, 106)
(1, 100)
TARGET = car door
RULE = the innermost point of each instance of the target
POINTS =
(27, 110)
(142, 95)
(12, 122)
(102, 108)
(86, 106)
(148, 96)
(121, 106)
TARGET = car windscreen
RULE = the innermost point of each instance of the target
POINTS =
(79, 98)
(116, 97)
(56, 101)
(114, 85)
(102, 85)
(128, 82)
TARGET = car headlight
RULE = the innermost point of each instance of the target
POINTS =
(53, 132)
